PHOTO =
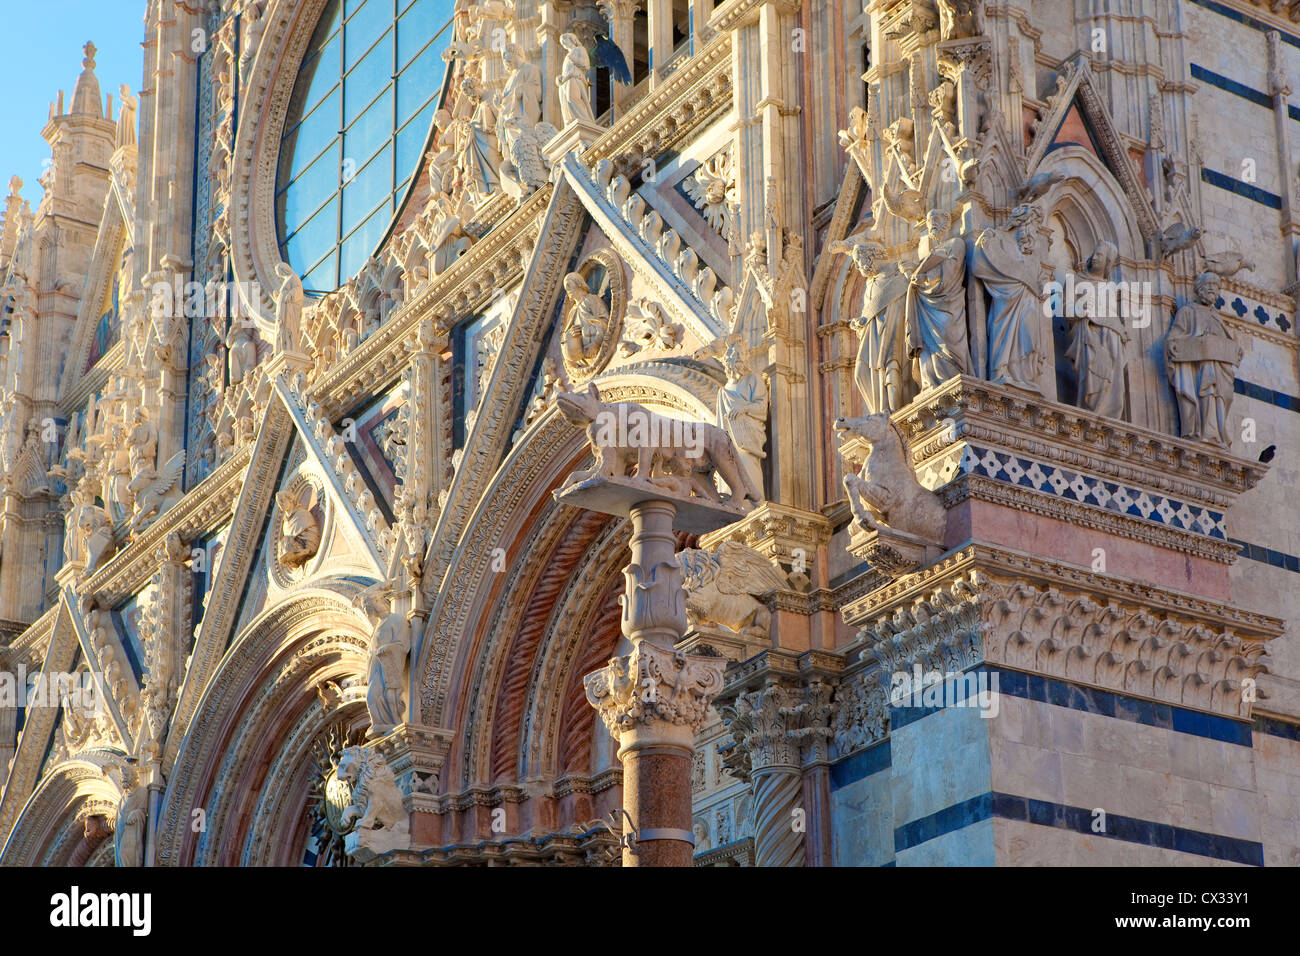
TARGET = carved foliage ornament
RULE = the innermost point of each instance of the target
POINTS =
(652, 684)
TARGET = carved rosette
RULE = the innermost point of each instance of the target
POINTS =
(654, 686)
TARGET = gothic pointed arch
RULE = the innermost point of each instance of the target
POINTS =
(51, 827)
(246, 761)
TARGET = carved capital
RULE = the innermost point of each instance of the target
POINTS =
(781, 725)
(652, 686)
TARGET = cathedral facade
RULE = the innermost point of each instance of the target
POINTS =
(714, 432)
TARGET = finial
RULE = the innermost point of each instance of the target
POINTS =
(89, 61)
(15, 186)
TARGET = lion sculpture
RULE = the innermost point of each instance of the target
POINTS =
(376, 802)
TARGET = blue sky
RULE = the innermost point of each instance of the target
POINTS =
(40, 54)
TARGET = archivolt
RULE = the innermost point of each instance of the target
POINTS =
(1091, 205)
(49, 826)
(543, 592)
(244, 761)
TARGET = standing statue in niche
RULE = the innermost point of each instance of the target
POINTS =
(1006, 265)
(879, 371)
(936, 304)
(742, 410)
(241, 350)
(1201, 359)
(1098, 338)
(390, 645)
(142, 442)
(575, 86)
(288, 307)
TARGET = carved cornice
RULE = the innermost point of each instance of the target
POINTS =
(597, 846)
(776, 531)
(670, 113)
(971, 410)
(494, 263)
(1078, 515)
(1027, 613)
(206, 506)
(598, 783)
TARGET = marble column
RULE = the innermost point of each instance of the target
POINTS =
(779, 714)
(655, 699)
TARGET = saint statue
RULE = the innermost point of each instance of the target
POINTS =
(241, 350)
(742, 410)
(142, 441)
(575, 86)
(1006, 266)
(126, 117)
(586, 325)
(936, 304)
(390, 645)
(288, 307)
(520, 132)
(1098, 337)
(879, 370)
(299, 529)
(1201, 359)
(478, 156)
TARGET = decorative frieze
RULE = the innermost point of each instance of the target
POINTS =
(986, 606)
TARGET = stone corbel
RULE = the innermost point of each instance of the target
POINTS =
(416, 754)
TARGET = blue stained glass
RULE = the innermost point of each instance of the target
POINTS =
(370, 131)
(359, 35)
(370, 185)
(324, 277)
(411, 97)
(316, 235)
(410, 141)
(362, 105)
(366, 80)
(359, 246)
(415, 29)
(316, 184)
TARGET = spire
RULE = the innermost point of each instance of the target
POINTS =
(12, 213)
(85, 96)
